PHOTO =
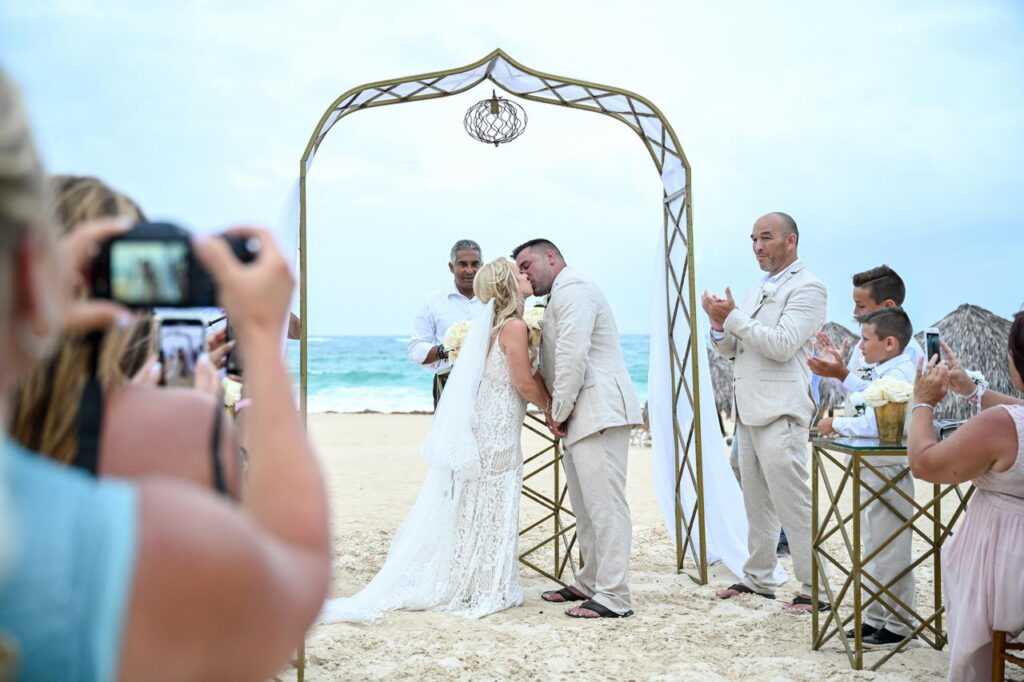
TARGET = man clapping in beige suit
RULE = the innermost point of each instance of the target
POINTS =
(593, 405)
(770, 336)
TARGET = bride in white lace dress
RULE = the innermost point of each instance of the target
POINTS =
(457, 550)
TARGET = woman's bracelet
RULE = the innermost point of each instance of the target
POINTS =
(917, 405)
(979, 390)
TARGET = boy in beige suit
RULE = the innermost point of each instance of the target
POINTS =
(770, 336)
(593, 406)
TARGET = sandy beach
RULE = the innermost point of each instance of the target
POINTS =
(680, 630)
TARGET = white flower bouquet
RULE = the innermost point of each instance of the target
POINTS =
(455, 337)
(533, 317)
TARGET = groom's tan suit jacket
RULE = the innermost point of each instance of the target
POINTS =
(770, 338)
(582, 362)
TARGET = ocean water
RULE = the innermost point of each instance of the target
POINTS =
(357, 373)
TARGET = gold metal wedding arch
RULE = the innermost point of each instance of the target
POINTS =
(657, 136)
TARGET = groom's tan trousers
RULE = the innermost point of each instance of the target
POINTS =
(595, 472)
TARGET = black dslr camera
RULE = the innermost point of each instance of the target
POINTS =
(153, 265)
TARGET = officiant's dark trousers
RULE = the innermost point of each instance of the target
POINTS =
(439, 381)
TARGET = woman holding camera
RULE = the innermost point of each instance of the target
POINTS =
(159, 578)
(983, 565)
(79, 406)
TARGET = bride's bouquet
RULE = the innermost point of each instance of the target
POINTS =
(457, 333)
(532, 317)
(455, 337)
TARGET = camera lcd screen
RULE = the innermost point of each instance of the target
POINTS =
(149, 272)
(181, 343)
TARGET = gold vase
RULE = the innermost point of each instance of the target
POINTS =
(890, 419)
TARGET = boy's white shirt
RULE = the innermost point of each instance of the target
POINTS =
(856, 382)
(899, 367)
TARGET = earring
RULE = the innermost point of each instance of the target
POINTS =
(35, 345)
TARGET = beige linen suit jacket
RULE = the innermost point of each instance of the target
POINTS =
(770, 339)
(582, 362)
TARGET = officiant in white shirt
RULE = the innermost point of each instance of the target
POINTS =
(443, 308)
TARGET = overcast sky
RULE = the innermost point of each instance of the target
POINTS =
(892, 132)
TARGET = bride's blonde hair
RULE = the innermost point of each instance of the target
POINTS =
(497, 280)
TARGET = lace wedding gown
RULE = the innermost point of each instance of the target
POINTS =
(457, 550)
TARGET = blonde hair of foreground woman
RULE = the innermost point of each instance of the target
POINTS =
(47, 405)
(217, 590)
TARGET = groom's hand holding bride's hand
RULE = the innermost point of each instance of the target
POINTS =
(556, 428)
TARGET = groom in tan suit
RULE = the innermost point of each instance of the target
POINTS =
(770, 335)
(593, 405)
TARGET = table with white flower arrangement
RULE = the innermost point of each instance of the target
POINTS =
(839, 495)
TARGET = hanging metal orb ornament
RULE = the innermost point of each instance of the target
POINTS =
(495, 120)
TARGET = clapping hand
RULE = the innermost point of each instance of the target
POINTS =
(718, 308)
(932, 382)
(829, 361)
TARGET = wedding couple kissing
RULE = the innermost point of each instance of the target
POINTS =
(457, 549)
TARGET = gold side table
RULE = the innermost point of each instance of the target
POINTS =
(837, 466)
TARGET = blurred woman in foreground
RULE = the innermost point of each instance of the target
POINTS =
(159, 579)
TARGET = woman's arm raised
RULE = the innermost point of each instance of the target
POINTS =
(224, 591)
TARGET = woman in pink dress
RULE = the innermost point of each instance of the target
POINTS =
(983, 565)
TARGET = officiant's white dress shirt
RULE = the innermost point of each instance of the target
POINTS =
(441, 310)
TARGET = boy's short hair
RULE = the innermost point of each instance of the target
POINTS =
(890, 322)
(881, 283)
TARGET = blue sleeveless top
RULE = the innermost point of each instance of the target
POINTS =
(64, 594)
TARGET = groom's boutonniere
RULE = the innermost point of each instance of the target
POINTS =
(768, 290)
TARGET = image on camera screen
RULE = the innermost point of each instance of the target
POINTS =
(149, 272)
(180, 346)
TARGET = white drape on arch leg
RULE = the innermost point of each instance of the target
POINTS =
(725, 518)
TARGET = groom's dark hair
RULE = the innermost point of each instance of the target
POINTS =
(537, 244)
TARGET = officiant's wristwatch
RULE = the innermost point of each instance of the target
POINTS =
(442, 354)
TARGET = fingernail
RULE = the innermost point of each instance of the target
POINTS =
(124, 222)
(205, 358)
(156, 369)
(124, 320)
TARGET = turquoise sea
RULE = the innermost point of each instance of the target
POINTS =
(357, 373)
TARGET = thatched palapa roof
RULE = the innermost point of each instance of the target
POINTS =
(978, 337)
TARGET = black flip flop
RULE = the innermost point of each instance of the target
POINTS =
(567, 595)
(601, 611)
(743, 589)
(805, 601)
